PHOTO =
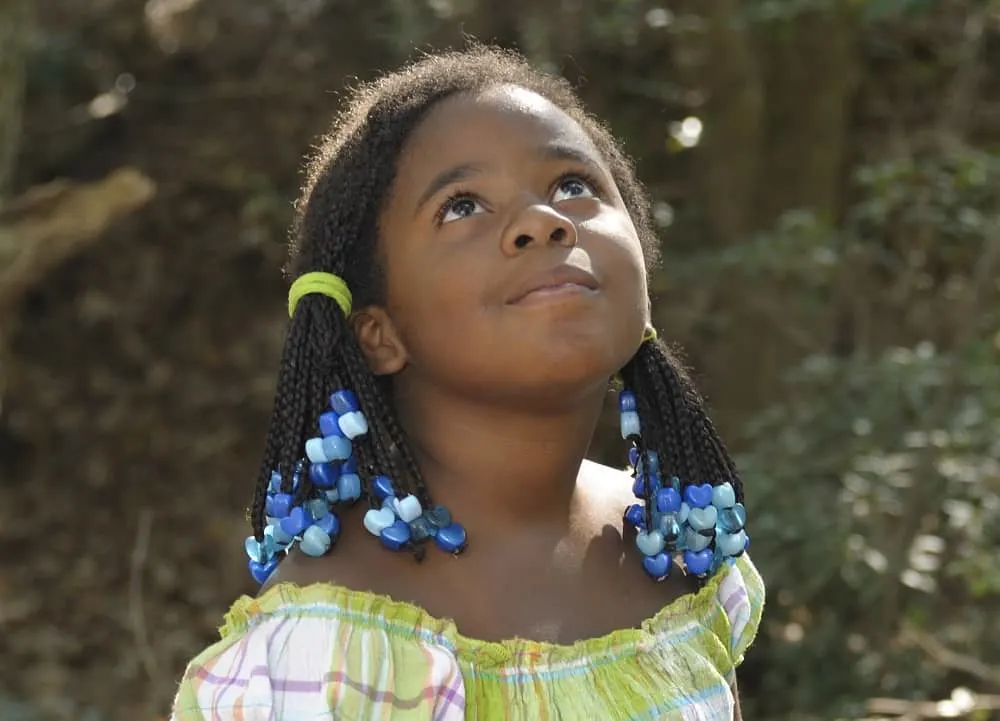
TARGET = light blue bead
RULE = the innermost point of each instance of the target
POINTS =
(731, 544)
(275, 484)
(695, 541)
(353, 424)
(255, 550)
(349, 487)
(420, 528)
(318, 507)
(315, 451)
(630, 425)
(332, 495)
(649, 544)
(314, 542)
(701, 519)
(281, 538)
(408, 508)
(377, 521)
(733, 520)
(723, 496)
(337, 448)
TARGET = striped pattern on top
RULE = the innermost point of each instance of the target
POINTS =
(326, 652)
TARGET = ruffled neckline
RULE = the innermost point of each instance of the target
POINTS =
(403, 619)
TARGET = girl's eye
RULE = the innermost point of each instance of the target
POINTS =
(573, 187)
(459, 207)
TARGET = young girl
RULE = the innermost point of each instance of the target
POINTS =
(469, 268)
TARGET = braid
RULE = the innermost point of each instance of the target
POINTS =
(675, 424)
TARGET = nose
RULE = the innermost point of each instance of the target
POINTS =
(538, 225)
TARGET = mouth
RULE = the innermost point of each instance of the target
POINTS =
(555, 283)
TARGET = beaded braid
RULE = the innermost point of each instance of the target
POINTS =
(335, 231)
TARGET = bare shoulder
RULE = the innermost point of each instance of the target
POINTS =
(607, 487)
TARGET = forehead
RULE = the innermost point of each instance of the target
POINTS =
(499, 123)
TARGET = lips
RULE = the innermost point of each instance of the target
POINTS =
(552, 279)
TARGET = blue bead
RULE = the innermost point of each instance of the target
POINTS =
(698, 563)
(724, 496)
(344, 401)
(349, 487)
(698, 496)
(382, 488)
(330, 525)
(670, 529)
(350, 465)
(280, 538)
(635, 516)
(451, 538)
(658, 566)
(626, 402)
(653, 460)
(633, 456)
(274, 486)
(396, 536)
(318, 508)
(420, 528)
(353, 424)
(255, 549)
(262, 571)
(668, 500)
(439, 516)
(630, 425)
(733, 520)
(323, 475)
(315, 542)
(328, 425)
(337, 448)
(639, 486)
(731, 544)
(279, 505)
(297, 520)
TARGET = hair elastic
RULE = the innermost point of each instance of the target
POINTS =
(649, 334)
(328, 284)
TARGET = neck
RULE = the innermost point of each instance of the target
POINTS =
(496, 468)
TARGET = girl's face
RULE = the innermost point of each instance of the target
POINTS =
(513, 270)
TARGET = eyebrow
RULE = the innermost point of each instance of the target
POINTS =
(467, 170)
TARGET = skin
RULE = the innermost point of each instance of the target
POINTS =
(500, 400)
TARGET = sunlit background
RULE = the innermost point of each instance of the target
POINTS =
(826, 179)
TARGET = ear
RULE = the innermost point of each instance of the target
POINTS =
(379, 341)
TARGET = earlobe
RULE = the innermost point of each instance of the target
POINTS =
(379, 341)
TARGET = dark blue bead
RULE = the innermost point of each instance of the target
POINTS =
(275, 485)
(350, 465)
(626, 401)
(382, 487)
(279, 505)
(323, 475)
(668, 500)
(396, 536)
(658, 566)
(328, 425)
(344, 401)
(262, 571)
(451, 539)
(330, 525)
(699, 496)
(633, 456)
(297, 520)
(698, 563)
(635, 515)
(639, 486)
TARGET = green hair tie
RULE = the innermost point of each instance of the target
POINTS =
(328, 284)
(648, 335)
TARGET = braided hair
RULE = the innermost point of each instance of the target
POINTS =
(335, 230)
